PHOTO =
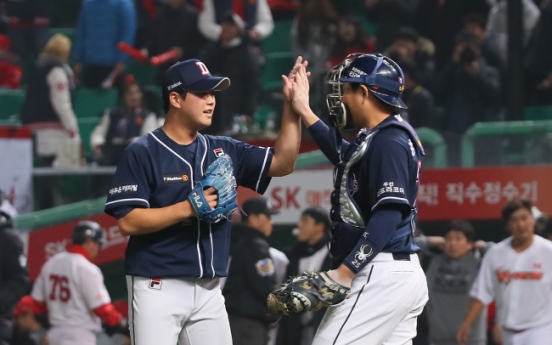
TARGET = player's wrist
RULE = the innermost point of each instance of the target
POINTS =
(188, 210)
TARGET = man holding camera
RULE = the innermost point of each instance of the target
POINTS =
(468, 89)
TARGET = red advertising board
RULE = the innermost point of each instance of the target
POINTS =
(49, 241)
(480, 193)
(444, 194)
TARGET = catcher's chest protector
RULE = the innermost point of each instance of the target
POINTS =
(347, 216)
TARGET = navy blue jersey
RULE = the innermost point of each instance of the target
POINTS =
(385, 175)
(156, 172)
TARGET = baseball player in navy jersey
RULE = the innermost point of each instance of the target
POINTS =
(376, 180)
(173, 259)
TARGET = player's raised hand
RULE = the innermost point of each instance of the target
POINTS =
(287, 88)
(300, 100)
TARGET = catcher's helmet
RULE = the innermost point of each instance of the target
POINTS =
(88, 230)
(383, 77)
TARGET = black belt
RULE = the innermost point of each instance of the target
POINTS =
(401, 256)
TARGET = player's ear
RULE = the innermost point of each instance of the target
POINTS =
(174, 100)
(364, 90)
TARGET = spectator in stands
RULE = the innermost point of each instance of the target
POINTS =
(255, 14)
(232, 56)
(47, 108)
(313, 34)
(539, 60)
(441, 20)
(29, 329)
(351, 38)
(102, 25)
(420, 102)
(309, 254)
(408, 45)
(497, 25)
(389, 16)
(449, 279)
(475, 24)
(14, 274)
(29, 26)
(251, 275)
(10, 72)
(175, 27)
(469, 90)
(122, 125)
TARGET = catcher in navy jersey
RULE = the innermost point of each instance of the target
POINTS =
(174, 194)
(376, 288)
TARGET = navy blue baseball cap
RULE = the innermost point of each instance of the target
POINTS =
(192, 75)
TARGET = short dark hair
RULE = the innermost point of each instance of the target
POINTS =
(319, 215)
(166, 102)
(512, 206)
(477, 19)
(464, 227)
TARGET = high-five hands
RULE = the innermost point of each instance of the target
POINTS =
(287, 88)
(300, 87)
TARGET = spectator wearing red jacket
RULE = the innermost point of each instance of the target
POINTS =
(10, 72)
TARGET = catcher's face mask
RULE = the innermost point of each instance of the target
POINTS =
(340, 116)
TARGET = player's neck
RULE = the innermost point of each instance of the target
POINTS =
(179, 133)
(374, 114)
(522, 244)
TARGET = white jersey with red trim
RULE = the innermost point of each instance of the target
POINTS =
(521, 283)
(71, 286)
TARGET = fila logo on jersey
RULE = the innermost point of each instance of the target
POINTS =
(175, 178)
(507, 276)
(155, 283)
(218, 152)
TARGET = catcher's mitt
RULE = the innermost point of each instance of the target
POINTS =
(306, 292)
(220, 175)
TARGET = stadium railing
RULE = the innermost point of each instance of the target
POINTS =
(497, 129)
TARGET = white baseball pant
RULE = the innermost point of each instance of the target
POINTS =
(71, 336)
(541, 335)
(382, 308)
(187, 311)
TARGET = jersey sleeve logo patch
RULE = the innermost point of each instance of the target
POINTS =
(218, 152)
(389, 187)
(175, 178)
(155, 283)
(265, 267)
(362, 255)
(131, 188)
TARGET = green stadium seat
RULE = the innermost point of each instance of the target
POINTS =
(93, 102)
(538, 113)
(144, 73)
(279, 40)
(369, 27)
(11, 102)
(86, 126)
(276, 65)
(69, 32)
